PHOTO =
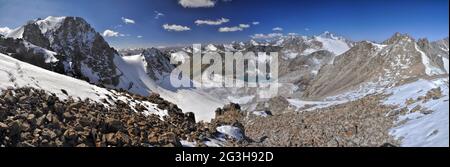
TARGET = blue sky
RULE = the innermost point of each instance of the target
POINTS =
(374, 20)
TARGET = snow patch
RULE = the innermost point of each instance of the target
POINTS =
(49, 56)
(288, 54)
(211, 48)
(240, 100)
(231, 131)
(186, 143)
(260, 113)
(312, 105)
(445, 61)
(309, 51)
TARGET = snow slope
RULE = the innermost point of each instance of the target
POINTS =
(189, 100)
(416, 129)
(17, 74)
(16, 33)
(14, 73)
(333, 44)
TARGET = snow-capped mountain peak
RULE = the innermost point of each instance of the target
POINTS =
(211, 47)
(50, 23)
(327, 34)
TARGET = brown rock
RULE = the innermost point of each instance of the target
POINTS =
(169, 138)
(81, 145)
(15, 128)
(110, 139)
(3, 126)
(68, 116)
(48, 134)
(113, 125)
(70, 135)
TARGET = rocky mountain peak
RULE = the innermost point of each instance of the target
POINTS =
(84, 52)
(151, 52)
(398, 37)
(424, 43)
(49, 23)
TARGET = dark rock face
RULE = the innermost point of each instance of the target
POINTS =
(33, 34)
(158, 63)
(24, 51)
(84, 48)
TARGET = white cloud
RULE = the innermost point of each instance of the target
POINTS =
(255, 23)
(140, 36)
(197, 3)
(158, 14)
(244, 25)
(292, 34)
(241, 27)
(5, 30)
(212, 22)
(111, 33)
(230, 29)
(174, 27)
(306, 29)
(277, 29)
(267, 36)
(128, 21)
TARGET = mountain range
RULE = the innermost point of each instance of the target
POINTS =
(321, 74)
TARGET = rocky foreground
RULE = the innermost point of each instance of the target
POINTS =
(361, 123)
(358, 123)
(34, 118)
